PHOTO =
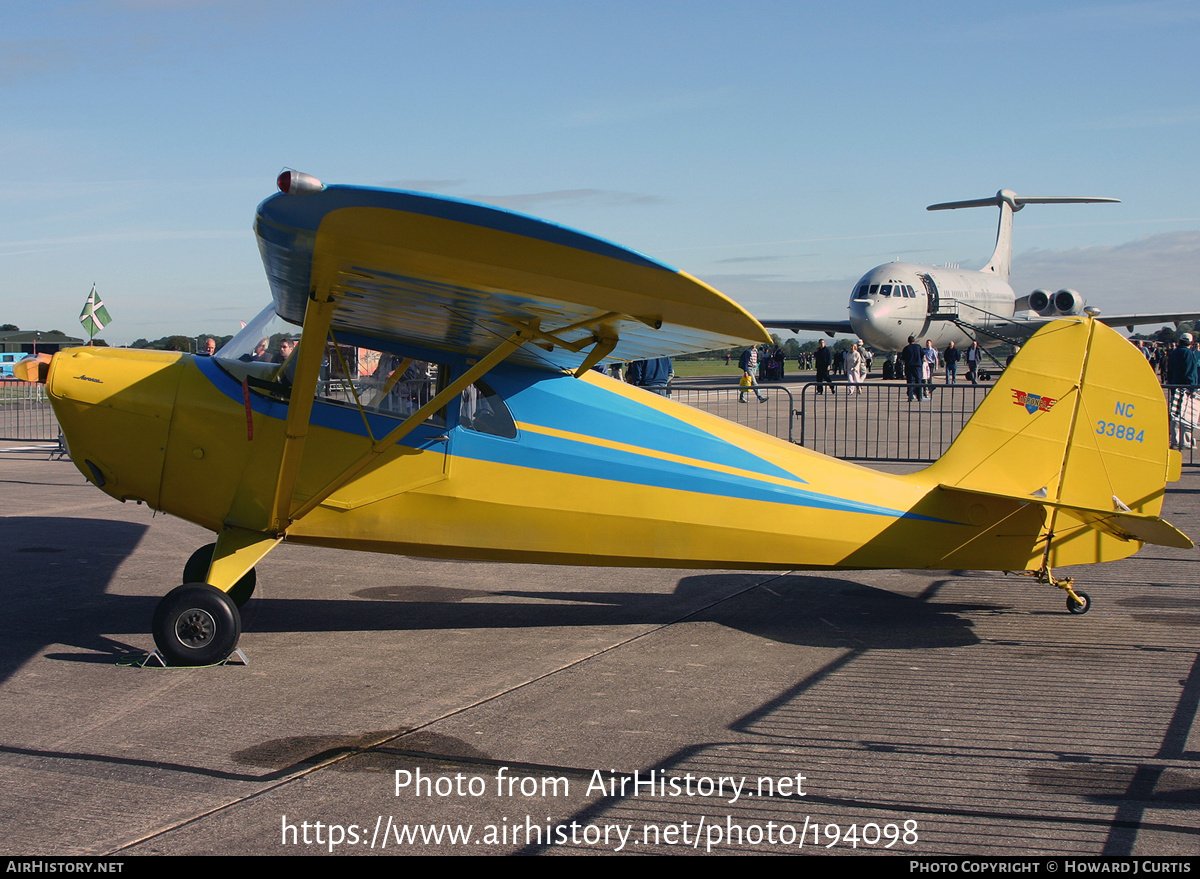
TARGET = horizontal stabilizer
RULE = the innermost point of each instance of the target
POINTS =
(1018, 201)
(1128, 526)
(1124, 525)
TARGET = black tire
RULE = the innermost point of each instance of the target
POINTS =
(196, 624)
(1082, 606)
(196, 570)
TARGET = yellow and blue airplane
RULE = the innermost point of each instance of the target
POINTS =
(441, 402)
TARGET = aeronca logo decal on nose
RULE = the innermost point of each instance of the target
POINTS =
(1033, 402)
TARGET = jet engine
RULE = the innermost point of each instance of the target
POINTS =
(1040, 301)
(1068, 302)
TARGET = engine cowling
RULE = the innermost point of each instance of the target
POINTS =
(1068, 302)
(1040, 301)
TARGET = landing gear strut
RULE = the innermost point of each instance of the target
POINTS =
(196, 570)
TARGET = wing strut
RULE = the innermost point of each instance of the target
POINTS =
(604, 346)
(442, 398)
(317, 317)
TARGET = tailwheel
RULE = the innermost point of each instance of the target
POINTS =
(1078, 602)
(196, 624)
(196, 570)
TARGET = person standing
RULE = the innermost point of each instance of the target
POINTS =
(974, 356)
(913, 358)
(1183, 374)
(823, 359)
(653, 375)
(749, 367)
(930, 366)
(951, 355)
(855, 369)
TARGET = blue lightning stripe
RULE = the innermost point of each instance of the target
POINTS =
(537, 451)
(569, 405)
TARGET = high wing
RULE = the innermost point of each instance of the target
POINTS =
(460, 276)
(832, 327)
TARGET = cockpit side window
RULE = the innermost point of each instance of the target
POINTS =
(482, 411)
(875, 289)
(383, 382)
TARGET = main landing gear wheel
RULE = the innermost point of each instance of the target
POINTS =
(196, 624)
(196, 570)
(1079, 603)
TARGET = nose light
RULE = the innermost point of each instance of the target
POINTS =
(298, 183)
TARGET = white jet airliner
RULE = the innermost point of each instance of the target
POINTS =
(898, 299)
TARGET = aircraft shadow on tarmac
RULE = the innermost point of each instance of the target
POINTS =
(59, 570)
(56, 572)
(799, 609)
(813, 725)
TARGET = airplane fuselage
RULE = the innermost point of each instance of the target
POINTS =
(897, 300)
(589, 471)
(942, 304)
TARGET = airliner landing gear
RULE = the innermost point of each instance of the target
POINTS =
(196, 624)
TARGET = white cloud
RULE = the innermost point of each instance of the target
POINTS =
(1155, 273)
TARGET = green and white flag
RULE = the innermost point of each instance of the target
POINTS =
(94, 316)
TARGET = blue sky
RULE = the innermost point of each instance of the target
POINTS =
(776, 150)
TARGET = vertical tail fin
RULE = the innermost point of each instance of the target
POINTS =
(1078, 424)
(1009, 203)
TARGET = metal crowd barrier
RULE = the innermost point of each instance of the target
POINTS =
(1183, 406)
(25, 412)
(875, 421)
(775, 416)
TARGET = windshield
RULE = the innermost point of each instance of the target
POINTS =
(261, 346)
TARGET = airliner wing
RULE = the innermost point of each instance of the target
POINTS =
(1129, 321)
(1017, 326)
(830, 327)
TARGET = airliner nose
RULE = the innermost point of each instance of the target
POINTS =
(867, 317)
